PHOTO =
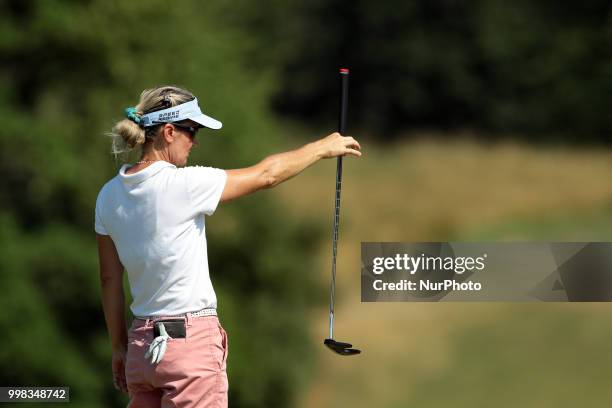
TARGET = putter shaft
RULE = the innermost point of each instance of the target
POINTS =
(341, 129)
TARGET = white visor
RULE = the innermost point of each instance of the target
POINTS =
(188, 110)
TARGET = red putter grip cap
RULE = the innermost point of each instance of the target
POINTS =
(344, 70)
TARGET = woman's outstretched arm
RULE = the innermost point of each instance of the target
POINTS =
(280, 167)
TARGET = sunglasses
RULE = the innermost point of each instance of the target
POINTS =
(192, 130)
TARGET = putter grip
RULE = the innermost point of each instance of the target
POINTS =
(344, 77)
(344, 84)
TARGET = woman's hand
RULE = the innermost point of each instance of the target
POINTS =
(118, 364)
(336, 145)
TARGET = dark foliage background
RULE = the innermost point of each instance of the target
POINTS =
(540, 69)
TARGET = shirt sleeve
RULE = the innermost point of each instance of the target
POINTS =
(204, 187)
(99, 226)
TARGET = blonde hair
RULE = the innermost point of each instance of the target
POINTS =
(127, 135)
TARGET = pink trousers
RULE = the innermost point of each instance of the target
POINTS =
(192, 372)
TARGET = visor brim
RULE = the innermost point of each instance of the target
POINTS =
(207, 121)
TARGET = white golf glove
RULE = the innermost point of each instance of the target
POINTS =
(158, 346)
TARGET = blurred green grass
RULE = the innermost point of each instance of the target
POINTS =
(529, 356)
(451, 354)
(595, 225)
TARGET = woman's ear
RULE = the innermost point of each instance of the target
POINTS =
(168, 133)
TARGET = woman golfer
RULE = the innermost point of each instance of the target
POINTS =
(149, 220)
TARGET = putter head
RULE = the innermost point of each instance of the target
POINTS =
(344, 349)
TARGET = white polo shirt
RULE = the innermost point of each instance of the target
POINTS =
(155, 217)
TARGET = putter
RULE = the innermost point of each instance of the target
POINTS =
(344, 349)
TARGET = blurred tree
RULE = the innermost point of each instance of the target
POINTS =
(541, 69)
(68, 69)
(548, 67)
